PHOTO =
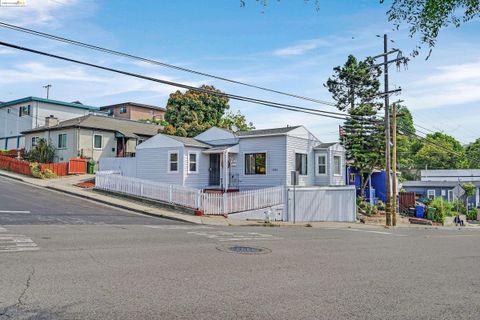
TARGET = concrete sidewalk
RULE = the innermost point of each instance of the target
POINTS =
(67, 185)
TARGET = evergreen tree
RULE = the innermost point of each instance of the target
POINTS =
(355, 87)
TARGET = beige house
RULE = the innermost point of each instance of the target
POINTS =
(91, 136)
(134, 111)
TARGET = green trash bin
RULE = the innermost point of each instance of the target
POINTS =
(431, 213)
(91, 167)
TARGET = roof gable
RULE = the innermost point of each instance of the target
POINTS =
(60, 103)
(128, 128)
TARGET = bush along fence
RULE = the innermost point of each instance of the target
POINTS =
(207, 203)
(42, 170)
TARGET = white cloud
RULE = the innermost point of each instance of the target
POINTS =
(302, 47)
(83, 83)
(37, 12)
(449, 85)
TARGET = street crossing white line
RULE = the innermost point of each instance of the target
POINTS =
(14, 211)
(234, 236)
(377, 232)
(15, 242)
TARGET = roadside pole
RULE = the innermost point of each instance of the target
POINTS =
(394, 164)
(387, 133)
(386, 93)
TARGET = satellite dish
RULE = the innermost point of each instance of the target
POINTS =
(234, 128)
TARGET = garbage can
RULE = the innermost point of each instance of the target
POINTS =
(419, 211)
(431, 213)
(91, 167)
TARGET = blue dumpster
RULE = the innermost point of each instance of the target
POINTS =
(419, 211)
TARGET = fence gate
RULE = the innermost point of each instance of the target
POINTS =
(322, 204)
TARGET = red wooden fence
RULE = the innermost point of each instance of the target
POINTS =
(18, 166)
(406, 200)
(77, 166)
(60, 169)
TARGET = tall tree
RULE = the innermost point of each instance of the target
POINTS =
(190, 113)
(423, 17)
(407, 143)
(473, 154)
(428, 17)
(355, 87)
(235, 121)
(441, 151)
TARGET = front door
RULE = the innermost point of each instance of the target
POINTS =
(214, 175)
(120, 147)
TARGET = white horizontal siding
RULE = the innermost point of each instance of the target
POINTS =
(275, 148)
(152, 164)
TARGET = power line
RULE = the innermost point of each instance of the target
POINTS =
(328, 114)
(156, 62)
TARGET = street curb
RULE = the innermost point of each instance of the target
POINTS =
(98, 200)
(118, 205)
(14, 178)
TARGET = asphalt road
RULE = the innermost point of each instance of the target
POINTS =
(117, 265)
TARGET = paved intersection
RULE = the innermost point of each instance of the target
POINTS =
(97, 262)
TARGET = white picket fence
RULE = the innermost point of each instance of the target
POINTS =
(209, 203)
(187, 197)
(216, 203)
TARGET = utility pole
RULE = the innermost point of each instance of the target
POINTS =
(48, 86)
(387, 132)
(394, 164)
(386, 93)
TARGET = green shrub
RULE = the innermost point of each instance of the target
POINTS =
(381, 205)
(442, 206)
(49, 174)
(44, 152)
(459, 206)
(35, 169)
(472, 214)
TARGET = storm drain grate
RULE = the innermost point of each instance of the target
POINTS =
(244, 249)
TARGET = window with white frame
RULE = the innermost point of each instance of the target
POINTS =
(431, 194)
(301, 163)
(321, 164)
(192, 162)
(173, 161)
(450, 195)
(337, 165)
(62, 141)
(97, 141)
(35, 141)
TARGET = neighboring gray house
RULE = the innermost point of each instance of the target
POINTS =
(436, 183)
(222, 159)
(91, 136)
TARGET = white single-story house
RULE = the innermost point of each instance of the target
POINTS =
(222, 159)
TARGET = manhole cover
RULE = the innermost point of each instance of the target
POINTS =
(244, 249)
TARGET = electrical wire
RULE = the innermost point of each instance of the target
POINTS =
(156, 62)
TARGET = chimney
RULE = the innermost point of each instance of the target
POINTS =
(51, 121)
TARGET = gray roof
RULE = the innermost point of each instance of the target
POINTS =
(325, 145)
(128, 128)
(433, 184)
(190, 142)
(262, 132)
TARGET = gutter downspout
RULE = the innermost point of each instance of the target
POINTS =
(225, 170)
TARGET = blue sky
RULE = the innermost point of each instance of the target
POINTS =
(287, 46)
